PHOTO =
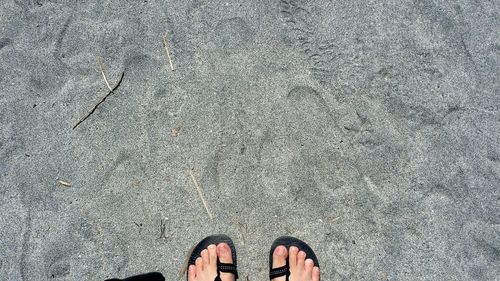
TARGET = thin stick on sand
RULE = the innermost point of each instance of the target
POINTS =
(65, 183)
(165, 45)
(243, 230)
(101, 68)
(162, 230)
(200, 193)
(111, 90)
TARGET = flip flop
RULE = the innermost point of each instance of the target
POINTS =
(289, 241)
(221, 267)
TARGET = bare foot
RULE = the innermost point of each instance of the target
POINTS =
(205, 267)
(301, 269)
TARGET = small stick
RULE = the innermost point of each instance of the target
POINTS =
(99, 103)
(334, 220)
(65, 183)
(162, 230)
(243, 226)
(165, 44)
(243, 230)
(101, 68)
(200, 193)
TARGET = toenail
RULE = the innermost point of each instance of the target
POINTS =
(280, 251)
(212, 246)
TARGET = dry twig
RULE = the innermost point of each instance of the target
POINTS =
(101, 68)
(333, 220)
(200, 193)
(65, 183)
(243, 230)
(165, 45)
(111, 90)
(163, 227)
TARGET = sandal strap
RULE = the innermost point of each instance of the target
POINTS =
(228, 268)
(280, 271)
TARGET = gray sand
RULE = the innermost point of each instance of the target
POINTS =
(370, 129)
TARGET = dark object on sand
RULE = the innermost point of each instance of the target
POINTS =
(111, 90)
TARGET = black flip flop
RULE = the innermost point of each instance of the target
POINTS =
(289, 241)
(221, 267)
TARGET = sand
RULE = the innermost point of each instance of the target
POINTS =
(369, 129)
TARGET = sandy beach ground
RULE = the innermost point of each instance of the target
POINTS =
(369, 129)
